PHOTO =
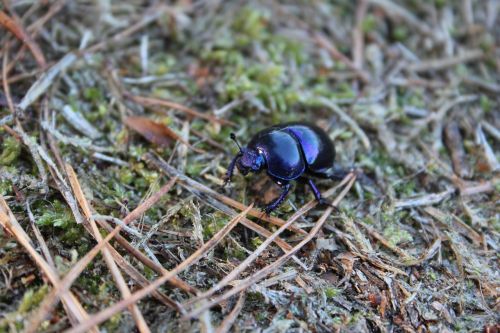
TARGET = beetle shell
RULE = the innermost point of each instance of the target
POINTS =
(294, 148)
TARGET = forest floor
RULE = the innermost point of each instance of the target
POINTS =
(117, 115)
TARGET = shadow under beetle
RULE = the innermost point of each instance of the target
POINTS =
(290, 151)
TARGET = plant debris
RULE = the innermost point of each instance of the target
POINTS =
(114, 140)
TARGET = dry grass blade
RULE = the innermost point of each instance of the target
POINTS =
(39, 237)
(424, 200)
(394, 10)
(346, 118)
(405, 255)
(192, 259)
(175, 282)
(5, 83)
(151, 15)
(52, 299)
(44, 82)
(191, 186)
(159, 163)
(18, 31)
(453, 223)
(323, 42)
(442, 64)
(155, 132)
(357, 34)
(242, 285)
(226, 324)
(151, 101)
(71, 303)
(115, 272)
(407, 90)
(143, 281)
(453, 141)
(243, 265)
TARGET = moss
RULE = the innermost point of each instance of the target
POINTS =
(331, 292)
(432, 275)
(396, 235)
(217, 222)
(369, 23)
(32, 298)
(125, 175)
(440, 3)
(250, 25)
(5, 187)
(93, 94)
(400, 33)
(486, 103)
(56, 215)
(11, 149)
(113, 324)
(234, 252)
(194, 169)
(406, 188)
(257, 241)
(91, 283)
(163, 64)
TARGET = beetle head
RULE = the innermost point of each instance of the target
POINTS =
(249, 159)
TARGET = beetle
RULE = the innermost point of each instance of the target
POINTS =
(291, 151)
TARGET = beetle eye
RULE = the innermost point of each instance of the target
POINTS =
(259, 161)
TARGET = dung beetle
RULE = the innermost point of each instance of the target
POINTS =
(291, 151)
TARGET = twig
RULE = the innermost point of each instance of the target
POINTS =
(191, 260)
(490, 87)
(424, 200)
(325, 43)
(494, 132)
(64, 285)
(453, 141)
(241, 267)
(152, 101)
(139, 278)
(406, 256)
(357, 34)
(115, 272)
(205, 190)
(488, 152)
(468, 190)
(73, 307)
(5, 82)
(346, 118)
(259, 275)
(175, 282)
(34, 30)
(453, 224)
(440, 113)
(79, 122)
(396, 11)
(39, 237)
(226, 324)
(444, 63)
(18, 31)
(45, 81)
(151, 15)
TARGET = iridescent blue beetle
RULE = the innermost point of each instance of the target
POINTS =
(290, 151)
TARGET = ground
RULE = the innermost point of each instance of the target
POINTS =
(115, 113)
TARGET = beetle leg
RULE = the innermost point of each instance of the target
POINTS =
(278, 201)
(317, 193)
(230, 169)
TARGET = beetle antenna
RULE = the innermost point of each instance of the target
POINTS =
(233, 137)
